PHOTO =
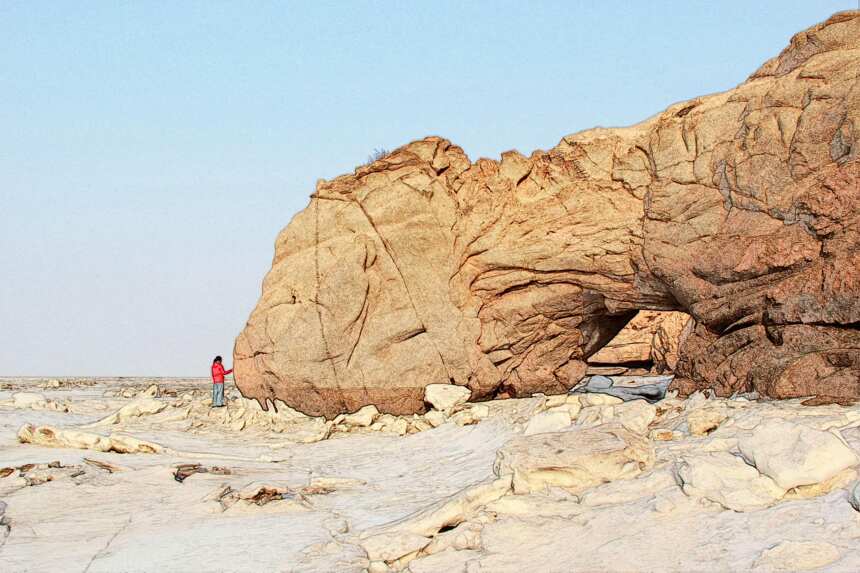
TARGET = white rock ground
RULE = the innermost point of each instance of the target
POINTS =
(579, 483)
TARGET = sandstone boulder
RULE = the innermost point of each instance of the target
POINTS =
(741, 209)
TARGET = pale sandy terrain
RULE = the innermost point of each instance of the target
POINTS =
(596, 485)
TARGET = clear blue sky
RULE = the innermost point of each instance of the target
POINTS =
(151, 151)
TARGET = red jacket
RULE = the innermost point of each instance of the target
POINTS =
(218, 373)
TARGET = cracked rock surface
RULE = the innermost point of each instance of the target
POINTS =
(771, 486)
(741, 209)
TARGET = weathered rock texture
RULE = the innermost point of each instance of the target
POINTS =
(739, 208)
(650, 339)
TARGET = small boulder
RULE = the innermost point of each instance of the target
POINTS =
(636, 415)
(465, 418)
(725, 479)
(547, 422)
(435, 418)
(794, 455)
(363, 418)
(446, 396)
(398, 426)
(151, 391)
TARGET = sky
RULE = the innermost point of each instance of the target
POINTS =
(151, 151)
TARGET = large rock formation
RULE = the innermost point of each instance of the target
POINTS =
(739, 208)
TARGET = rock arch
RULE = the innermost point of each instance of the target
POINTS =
(739, 208)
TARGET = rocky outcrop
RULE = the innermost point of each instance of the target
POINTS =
(739, 208)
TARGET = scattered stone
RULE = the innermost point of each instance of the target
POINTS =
(363, 418)
(419, 425)
(465, 417)
(435, 418)
(635, 415)
(150, 392)
(725, 479)
(547, 422)
(794, 455)
(574, 460)
(445, 397)
(397, 426)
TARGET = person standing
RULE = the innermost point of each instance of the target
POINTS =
(218, 374)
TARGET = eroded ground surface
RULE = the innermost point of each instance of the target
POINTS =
(122, 475)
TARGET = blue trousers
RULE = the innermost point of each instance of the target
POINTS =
(217, 394)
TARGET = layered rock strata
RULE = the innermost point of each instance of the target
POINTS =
(739, 208)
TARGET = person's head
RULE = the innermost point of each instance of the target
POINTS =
(217, 359)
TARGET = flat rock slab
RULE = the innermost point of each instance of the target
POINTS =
(574, 460)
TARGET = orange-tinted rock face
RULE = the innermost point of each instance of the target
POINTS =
(649, 340)
(738, 208)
